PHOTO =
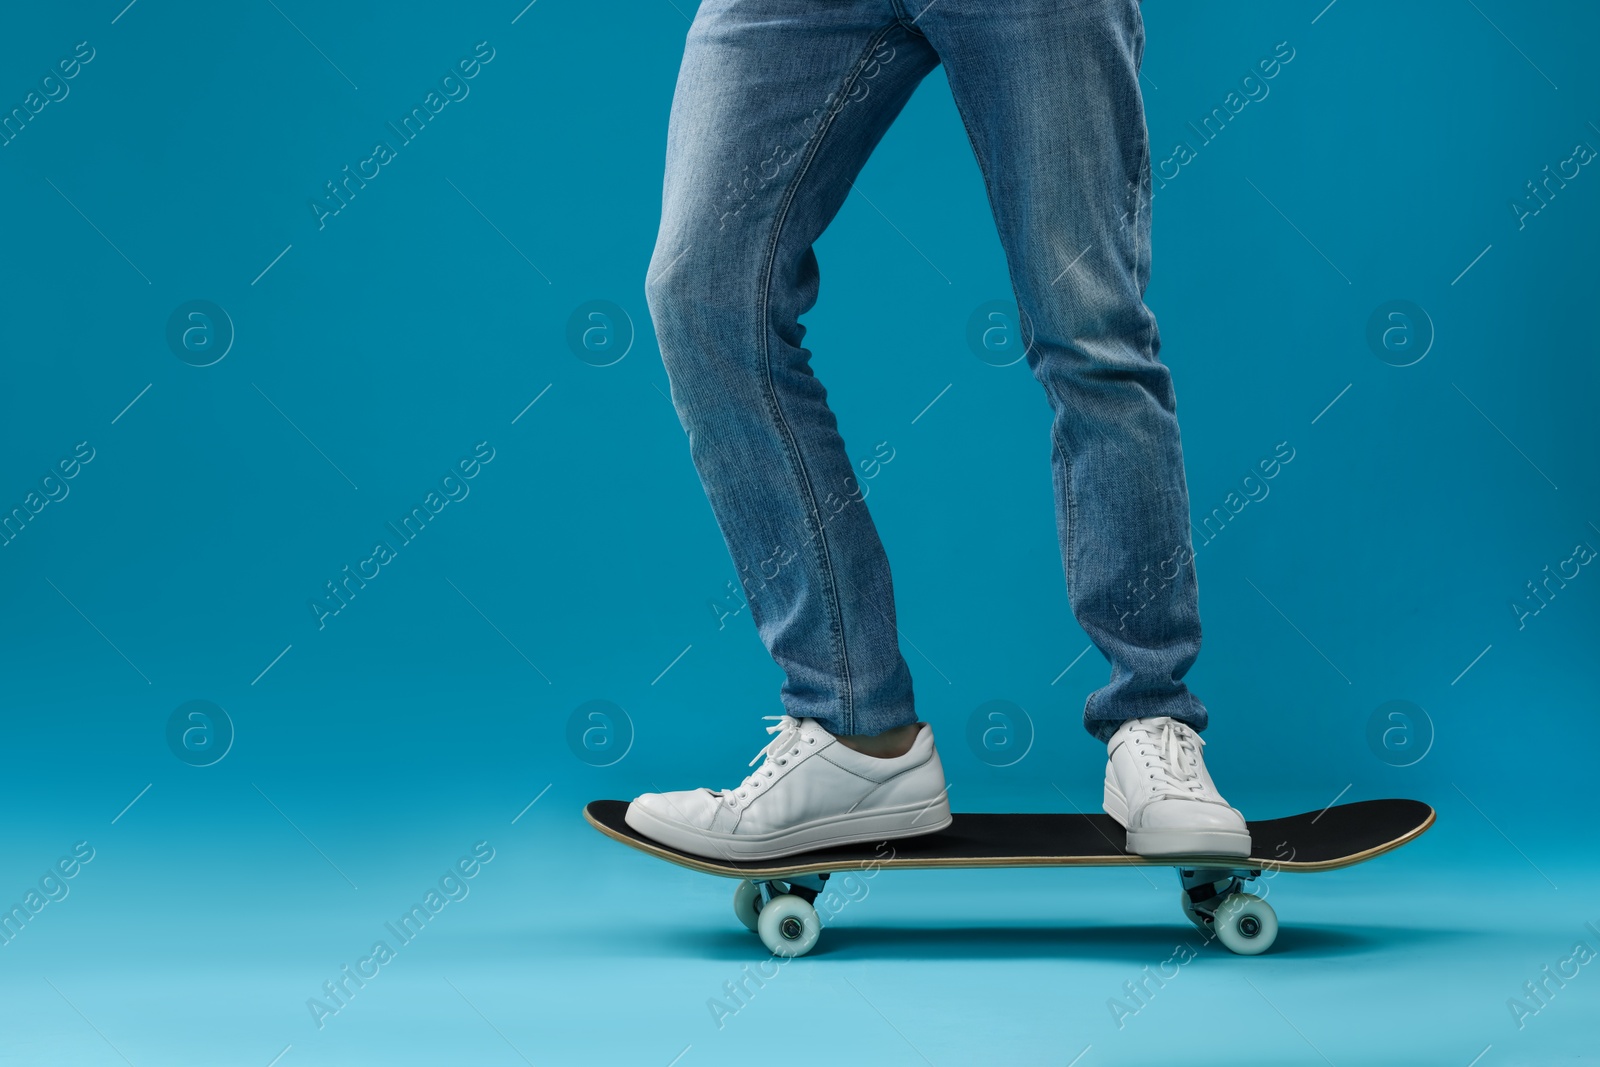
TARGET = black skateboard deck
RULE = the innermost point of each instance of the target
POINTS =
(1338, 836)
(1315, 841)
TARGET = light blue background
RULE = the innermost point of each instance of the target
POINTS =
(427, 315)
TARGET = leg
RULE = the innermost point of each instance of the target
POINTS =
(778, 105)
(1049, 93)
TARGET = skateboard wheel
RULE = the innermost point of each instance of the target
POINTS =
(746, 901)
(788, 926)
(1245, 924)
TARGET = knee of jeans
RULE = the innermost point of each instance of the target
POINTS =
(1098, 364)
(702, 329)
(1099, 345)
(667, 292)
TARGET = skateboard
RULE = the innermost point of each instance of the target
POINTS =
(776, 899)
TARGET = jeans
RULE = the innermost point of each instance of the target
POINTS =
(778, 105)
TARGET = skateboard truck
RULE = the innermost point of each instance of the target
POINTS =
(1214, 900)
(805, 886)
(782, 911)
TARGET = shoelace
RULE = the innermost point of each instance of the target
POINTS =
(772, 756)
(1176, 751)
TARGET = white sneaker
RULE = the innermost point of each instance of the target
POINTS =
(810, 792)
(1157, 787)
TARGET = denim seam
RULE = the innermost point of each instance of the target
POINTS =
(1143, 254)
(899, 9)
(1056, 403)
(836, 622)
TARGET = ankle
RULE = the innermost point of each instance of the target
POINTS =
(887, 745)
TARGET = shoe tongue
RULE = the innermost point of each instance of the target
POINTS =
(1146, 729)
(1172, 743)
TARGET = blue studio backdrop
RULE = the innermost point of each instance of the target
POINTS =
(352, 544)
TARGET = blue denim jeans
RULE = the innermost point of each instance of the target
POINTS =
(777, 107)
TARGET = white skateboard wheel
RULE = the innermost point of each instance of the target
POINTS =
(788, 926)
(746, 895)
(1245, 924)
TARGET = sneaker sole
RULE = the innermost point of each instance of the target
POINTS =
(880, 824)
(1154, 843)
